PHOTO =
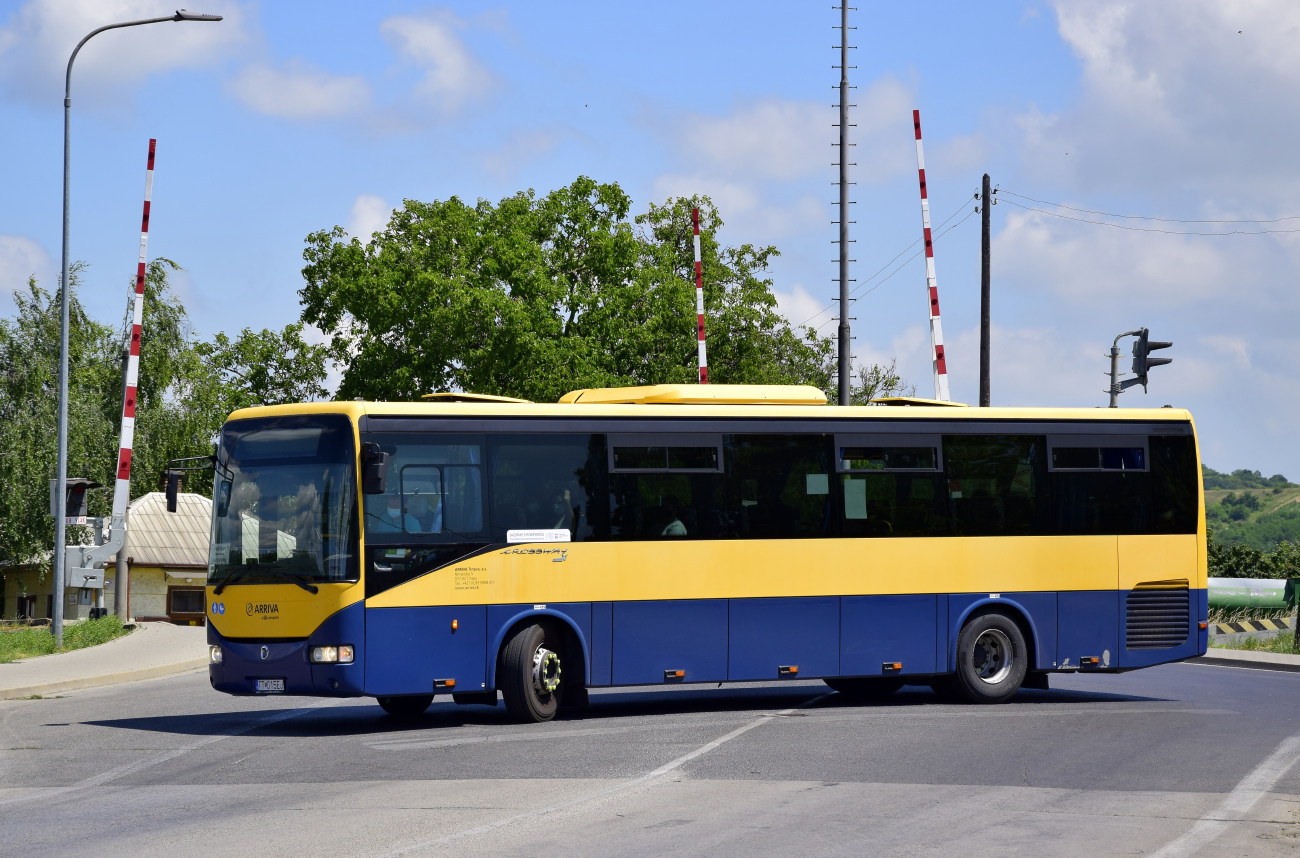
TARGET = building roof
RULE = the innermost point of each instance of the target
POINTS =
(156, 537)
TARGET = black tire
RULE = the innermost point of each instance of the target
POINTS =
(992, 659)
(407, 706)
(866, 687)
(530, 675)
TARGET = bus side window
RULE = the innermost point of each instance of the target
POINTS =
(778, 486)
(547, 482)
(995, 484)
(1173, 478)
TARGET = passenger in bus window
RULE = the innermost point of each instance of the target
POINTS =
(674, 527)
(391, 520)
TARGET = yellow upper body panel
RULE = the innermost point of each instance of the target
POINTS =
(355, 410)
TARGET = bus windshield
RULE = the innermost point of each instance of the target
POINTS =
(285, 502)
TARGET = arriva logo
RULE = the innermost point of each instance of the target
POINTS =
(264, 609)
(218, 608)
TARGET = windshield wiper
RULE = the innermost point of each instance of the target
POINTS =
(302, 582)
(241, 572)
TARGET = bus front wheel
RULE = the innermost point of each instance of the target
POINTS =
(530, 677)
(992, 659)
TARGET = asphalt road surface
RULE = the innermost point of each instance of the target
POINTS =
(1175, 760)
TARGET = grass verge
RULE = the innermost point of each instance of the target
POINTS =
(1282, 643)
(28, 642)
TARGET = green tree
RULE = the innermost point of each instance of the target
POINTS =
(536, 296)
(186, 390)
(29, 389)
(876, 380)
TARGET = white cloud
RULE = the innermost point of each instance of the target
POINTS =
(299, 90)
(38, 38)
(370, 214)
(783, 139)
(1088, 264)
(1191, 95)
(797, 306)
(22, 257)
(453, 74)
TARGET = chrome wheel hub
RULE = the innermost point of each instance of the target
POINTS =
(992, 656)
(546, 671)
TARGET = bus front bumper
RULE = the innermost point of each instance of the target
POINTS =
(284, 667)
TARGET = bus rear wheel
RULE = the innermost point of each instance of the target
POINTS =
(406, 706)
(866, 687)
(992, 659)
(530, 676)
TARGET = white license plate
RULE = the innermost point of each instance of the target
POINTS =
(270, 685)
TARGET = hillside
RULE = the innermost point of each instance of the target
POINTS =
(1246, 508)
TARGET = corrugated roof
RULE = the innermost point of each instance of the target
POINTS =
(156, 537)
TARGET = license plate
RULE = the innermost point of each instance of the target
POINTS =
(268, 685)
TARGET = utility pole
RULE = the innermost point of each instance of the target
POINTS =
(986, 203)
(845, 353)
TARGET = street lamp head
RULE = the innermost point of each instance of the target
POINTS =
(182, 15)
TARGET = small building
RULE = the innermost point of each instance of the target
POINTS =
(166, 553)
(167, 558)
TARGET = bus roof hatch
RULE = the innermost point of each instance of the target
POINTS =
(700, 394)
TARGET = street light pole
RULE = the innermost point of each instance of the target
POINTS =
(61, 489)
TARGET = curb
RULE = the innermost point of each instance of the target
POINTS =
(103, 679)
(1248, 659)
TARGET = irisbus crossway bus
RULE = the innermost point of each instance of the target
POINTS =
(475, 546)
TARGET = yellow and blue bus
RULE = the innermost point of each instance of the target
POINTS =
(475, 545)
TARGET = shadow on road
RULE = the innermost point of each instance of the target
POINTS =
(365, 718)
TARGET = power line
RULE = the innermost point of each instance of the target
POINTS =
(1149, 229)
(901, 267)
(831, 306)
(1143, 217)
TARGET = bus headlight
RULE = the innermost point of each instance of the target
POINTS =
(214, 655)
(332, 654)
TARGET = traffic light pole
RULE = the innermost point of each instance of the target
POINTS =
(1115, 388)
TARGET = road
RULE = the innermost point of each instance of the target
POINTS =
(1099, 765)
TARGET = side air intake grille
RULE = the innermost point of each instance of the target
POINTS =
(1158, 615)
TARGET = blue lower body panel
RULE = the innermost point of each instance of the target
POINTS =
(1088, 627)
(409, 649)
(765, 635)
(242, 663)
(875, 630)
(650, 638)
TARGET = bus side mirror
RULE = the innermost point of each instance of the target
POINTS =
(374, 469)
(223, 498)
(173, 487)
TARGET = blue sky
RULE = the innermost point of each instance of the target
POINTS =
(289, 117)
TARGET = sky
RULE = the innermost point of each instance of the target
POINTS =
(291, 117)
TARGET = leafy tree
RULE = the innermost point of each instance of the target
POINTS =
(186, 389)
(876, 380)
(29, 389)
(1243, 479)
(536, 296)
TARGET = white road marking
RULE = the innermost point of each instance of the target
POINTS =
(138, 765)
(1236, 804)
(619, 787)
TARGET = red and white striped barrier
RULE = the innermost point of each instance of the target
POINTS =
(936, 329)
(699, 298)
(122, 489)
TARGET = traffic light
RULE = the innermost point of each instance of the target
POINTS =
(1141, 357)
(173, 488)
